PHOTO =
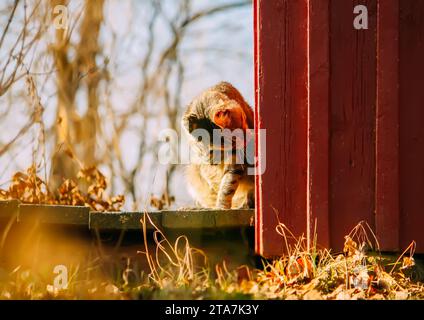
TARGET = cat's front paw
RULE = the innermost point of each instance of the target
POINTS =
(223, 206)
(189, 208)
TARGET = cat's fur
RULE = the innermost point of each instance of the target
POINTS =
(219, 185)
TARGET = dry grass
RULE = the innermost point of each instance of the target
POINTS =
(175, 270)
(361, 272)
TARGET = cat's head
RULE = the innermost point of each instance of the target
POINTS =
(219, 119)
(220, 126)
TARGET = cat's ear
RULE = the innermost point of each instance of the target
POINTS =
(230, 118)
(248, 111)
(223, 118)
(190, 122)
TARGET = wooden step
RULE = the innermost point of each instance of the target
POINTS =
(167, 219)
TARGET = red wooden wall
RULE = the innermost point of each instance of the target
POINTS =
(343, 111)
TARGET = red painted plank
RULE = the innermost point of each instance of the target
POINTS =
(387, 126)
(411, 122)
(318, 138)
(258, 202)
(352, 120)
(282, 107)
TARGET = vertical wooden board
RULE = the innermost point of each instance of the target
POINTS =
(352, 119)
(282, 111)
(387, 126)
(318, 138)
(258, 202)
(411, 122)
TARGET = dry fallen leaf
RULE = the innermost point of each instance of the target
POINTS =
(350, 247)
(313, 295)
(408, 262)
(29, 188)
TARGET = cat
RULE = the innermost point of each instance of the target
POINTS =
(222, 184)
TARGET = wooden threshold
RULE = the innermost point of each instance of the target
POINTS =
(166, 219)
